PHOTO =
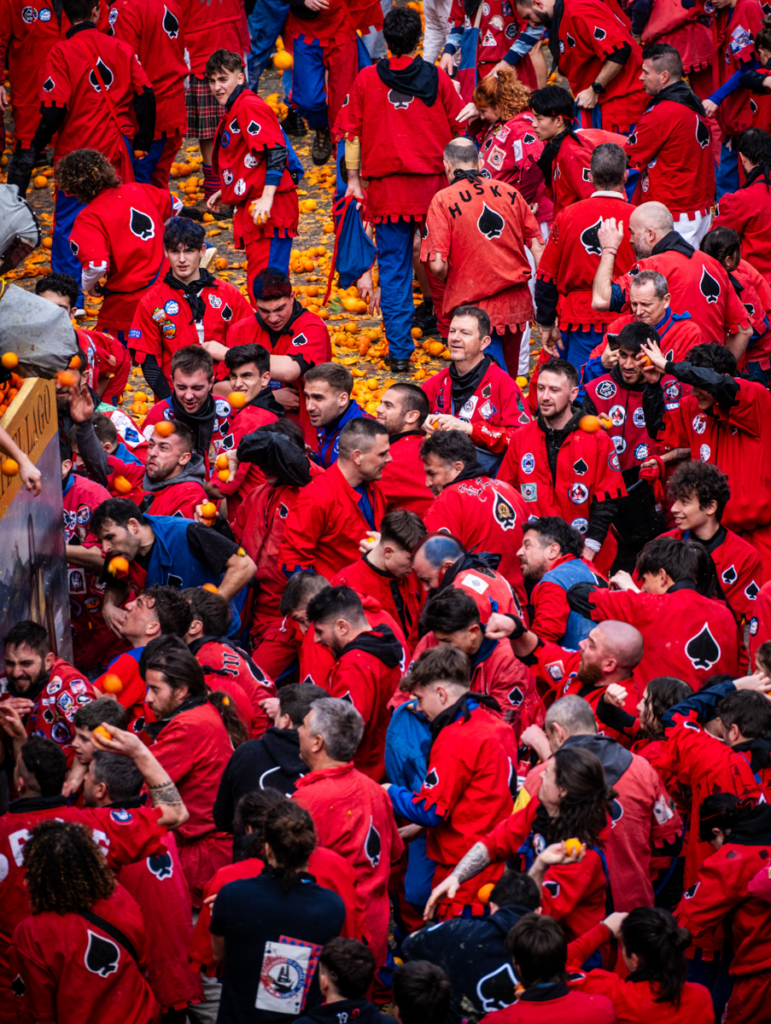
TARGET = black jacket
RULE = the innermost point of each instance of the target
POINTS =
(359, 1011)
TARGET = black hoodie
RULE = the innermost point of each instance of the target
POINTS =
(381, 642)
(352, 1011)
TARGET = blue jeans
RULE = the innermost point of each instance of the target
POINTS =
(394, 258)
(266, 23)
(577, 345)
(727, 174)
(63, 259)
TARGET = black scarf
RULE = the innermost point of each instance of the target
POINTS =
(464, 387)
(554, 31)
(754, 829)
(469, 472)
(418, 79)
(264, 400)
(153, 729)
(672, 242)
(459, 174)
(193, 291)
(234, 96)
(761, 171)
(550, 151)
(201, 422)
(448, 716)
(758, 749)
(678, 92)
(277, 456)
(297, 310)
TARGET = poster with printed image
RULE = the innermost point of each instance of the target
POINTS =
(288, 967)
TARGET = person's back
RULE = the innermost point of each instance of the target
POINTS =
(555, 1004)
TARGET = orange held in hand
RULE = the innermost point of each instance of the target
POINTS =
(102, 733)
(483, 894)
(122, 485)
(208, 510)
(112, 683)
(590, 424)
(224, 475)
(117, 565)
(573, 846)
(10, 467)
(645, 360)
(10, 360)
(237, 399)
(222, 461)
(165, 428)
(210, 587)
(66, 379)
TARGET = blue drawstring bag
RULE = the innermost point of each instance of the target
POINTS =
(354, 253)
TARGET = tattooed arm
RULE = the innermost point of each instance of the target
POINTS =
(475, 860)
(163, 792)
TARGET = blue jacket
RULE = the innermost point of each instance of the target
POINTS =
(565, 575)
(328, 437)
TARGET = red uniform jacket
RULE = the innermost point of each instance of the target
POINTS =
(352, 815)
(588, 471)
(622, 403)
(222, 662)
(402, 598)
(481, 229)
(66, 79)
(154, 33)
(163, 321)
(122, 231)
(756, 298)
(367, 674)
(679, 334)
(510, 151)
(247, 130)
(467, 783)
(107, 358)
(131, 471)
(495, 411)
(672, 147)
(570, 176)
(158, 885)
(760, 623)
(577, 1007)
(165, 411)
(305, 338)
(572, 255)
(403, 178)
(590, 32)
(491, 591)
(550, 608)
(485, 515)
(262, 409)
(176, 499)
(738, 568)
(333, 24)
(685, 635)
(736, 30)
(699, 285)
(404, 478)
(71, 969)
(194, 748)
(737, 441)
(210, 28)
(499, 27)
(328, 868)
(325, 525)
(746, 211)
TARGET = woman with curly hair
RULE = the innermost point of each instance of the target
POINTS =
(573, 803)
(118, 236)
(83, 950)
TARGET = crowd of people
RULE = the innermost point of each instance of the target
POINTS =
(460, 710)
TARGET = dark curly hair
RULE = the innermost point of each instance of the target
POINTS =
(584, 811)
(661, 694)
(713, 357)
(702, 479)
(66, 870)
(85, 173)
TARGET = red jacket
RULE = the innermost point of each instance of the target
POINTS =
(756, 297)
(204, 34)
(73, 970)
(165, 411)
(678, 336)
(495, 411)
(333, 23)
(684, 634)
(326, 524)
(154, 33)
(485, 515)
(305, 339)
(672, 147)
(194, 748)
(550, 608)
(570, 176)
(404, 478)
(760, 623)
(510, 151)
(176, 499)
(402, 598)
(577, 1007)
(222, 662)
(352, 815)
(746, 211)
(736, 29)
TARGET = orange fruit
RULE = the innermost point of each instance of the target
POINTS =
(75, 363)
(40, 181)
(237, 399)
(10, 360)
(112, 683)
(573, 846)
(645, 360)
(118, 564)
(210, 587)
(102, 733)
(483, 894)
(66, 379)
(224, 475)
(48, 242)
(521, 382)
(165, 428)
(208, 510)
(222, 461)
(282, 60)
(122, 485)
(435, 348)
(10, 467)
(590, 424)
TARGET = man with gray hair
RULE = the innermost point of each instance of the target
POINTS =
(644, 817)
(477, 235)
(563, 291)
(351, 813)
(698, 284)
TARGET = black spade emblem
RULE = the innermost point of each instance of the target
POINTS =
(516, 696)
(18, 987)
(703, 136)
(750, 308)
(300, 340)
(570, 40)
(487, 391)
(752, 590)
(616, 813)
(431, 780)
(753, 106)
(227, 313)
(553, 889)
(227, 443)
(590, 239)
(75, 247)
(400, 100)
(233, 126)
(490, 223)
(709, 287)
(141, 225)
(580, 467)
(161, 865)
(586, 174)
(48, 715)
(253, 128)
(702, 649)
(690, 893)
(729, 576)
(497, 990)
(102, 955)
(504, 514)
(373, 846)
(48, 85)
(766, 8)
(104, 71)
(347, 698)
(170, 24)
(599, 33)
(528, 139)
(633, 139)
(283, 511)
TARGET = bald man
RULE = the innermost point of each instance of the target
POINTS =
(697, 283)
(478, 233)
(644, 816)
(610, 654)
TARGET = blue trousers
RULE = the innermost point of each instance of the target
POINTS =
(63, 259)
(280, 253)
(266, 23)
(394, 258)
(308, 92)
(727, 174)
(577, 345)
(144, 166)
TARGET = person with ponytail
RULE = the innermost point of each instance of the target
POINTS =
(740, 833)
(262, 928)
(655, 989)
(194, 733)
(573, 803)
